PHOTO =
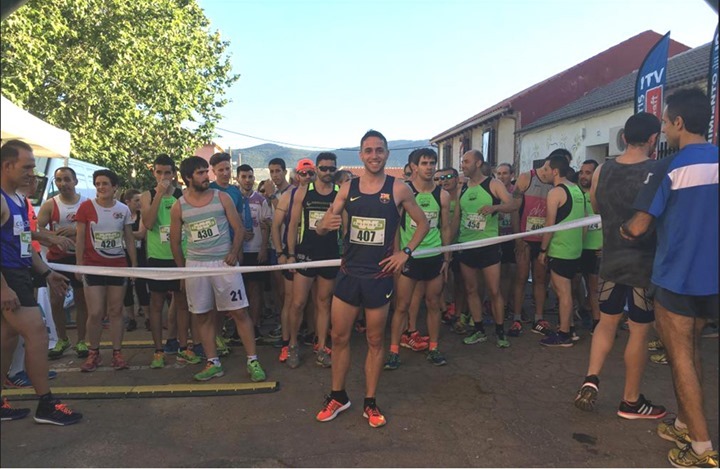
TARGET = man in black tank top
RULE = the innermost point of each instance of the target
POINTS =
(373, 203)
(304, 244)
(625, 270)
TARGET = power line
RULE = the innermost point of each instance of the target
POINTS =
(308, 147)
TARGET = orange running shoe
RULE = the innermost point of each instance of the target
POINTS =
(413, 341)
(331, 409)
(118, 362)
(92, 362)
(283, 354)
(374, 416)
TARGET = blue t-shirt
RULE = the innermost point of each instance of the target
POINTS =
(682, 194)
(238, 202)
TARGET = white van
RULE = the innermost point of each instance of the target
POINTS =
(45, 169)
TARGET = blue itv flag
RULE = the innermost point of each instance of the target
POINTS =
(650, 81)
(712, 87)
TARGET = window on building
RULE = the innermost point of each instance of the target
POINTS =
(465, 144)
(488, 146)
(446, 155)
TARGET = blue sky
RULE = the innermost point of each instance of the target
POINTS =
(319, 73)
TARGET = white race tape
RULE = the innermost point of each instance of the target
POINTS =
(192, 272)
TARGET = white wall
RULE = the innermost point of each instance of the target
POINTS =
(538, 143)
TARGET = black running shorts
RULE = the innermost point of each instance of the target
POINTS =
(686, 305)
(162, 286)
(424, 269)
(21, 282)
(614, 297)
(479, 258)
(366, 292)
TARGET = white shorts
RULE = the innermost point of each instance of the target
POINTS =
(221, 292)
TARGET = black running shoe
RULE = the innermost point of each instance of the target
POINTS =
(8, 413)
(56, 413)
(642, 409)
(586, 397)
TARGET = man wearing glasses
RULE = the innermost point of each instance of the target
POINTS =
(306, 245)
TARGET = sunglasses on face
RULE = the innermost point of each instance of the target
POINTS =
(326, 169)
(443, 178)
(306, 173)
(407, 175)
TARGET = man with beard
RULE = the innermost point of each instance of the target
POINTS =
(206, 216)
(304, 244)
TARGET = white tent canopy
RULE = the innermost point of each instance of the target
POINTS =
(45, 139)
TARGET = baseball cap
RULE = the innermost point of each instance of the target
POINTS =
(305, 164)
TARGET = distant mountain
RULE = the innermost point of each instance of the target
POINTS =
(259, 156)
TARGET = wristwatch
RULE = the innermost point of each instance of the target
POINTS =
(407, 251)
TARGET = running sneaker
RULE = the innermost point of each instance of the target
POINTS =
(118, 362)
(515, 329)
(188, 357)
(392, 362)
(92, 362)
(308, 339)
(323, 358)
(293, 359)
(710, 331)
(642, 409)
(59, 349)
(413, 341)
(283, 354)
(556, 340)
(331, 408)
(668, 431)
(8, 413)
(222, 349)
(541, 326)
(199, 351)
(659, 358)
(573, 334)
(586, 397)
(360, 326)
(276, 333)
(687, 457)
(374, 416)
(56, 413)
(256, 372)
(131, 325)
(461, 324)
(436, 358)
(22, 380)
(158, 361)
(81, 349)
(502, 342)
(655, 345)
(475, 338)
(209, 372)
(172, 346)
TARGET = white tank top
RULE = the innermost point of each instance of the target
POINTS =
(63, 215)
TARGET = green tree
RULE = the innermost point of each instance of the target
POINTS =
(122, 76)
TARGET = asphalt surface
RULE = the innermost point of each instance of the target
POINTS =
(486, 408)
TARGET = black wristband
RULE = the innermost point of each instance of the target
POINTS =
(45, 274)
(543, 250)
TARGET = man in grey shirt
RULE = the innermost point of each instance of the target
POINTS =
(625, 270)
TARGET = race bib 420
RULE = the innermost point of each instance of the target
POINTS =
(107, 239)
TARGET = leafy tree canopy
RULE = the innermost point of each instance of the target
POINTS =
(120, 75)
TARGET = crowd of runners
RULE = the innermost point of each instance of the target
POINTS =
(653, 260)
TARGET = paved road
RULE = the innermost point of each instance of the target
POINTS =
(488, 407)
